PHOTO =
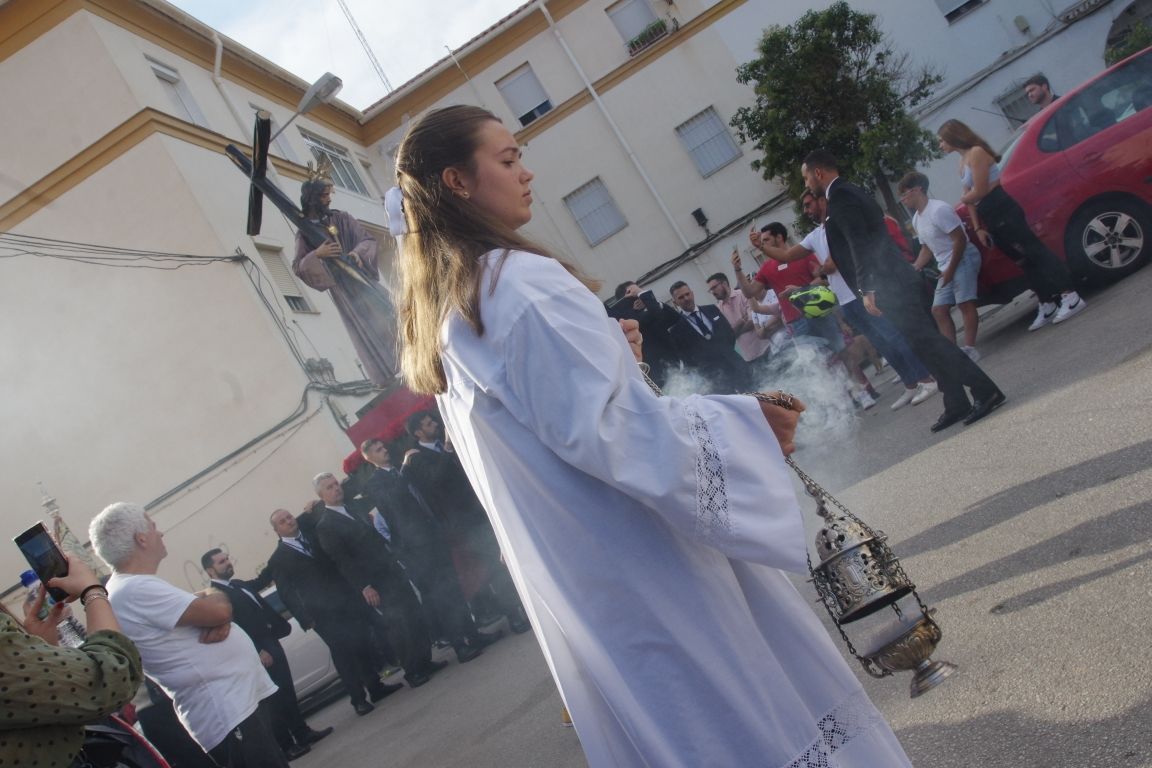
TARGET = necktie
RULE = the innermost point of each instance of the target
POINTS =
(439, 446)
(698, 321)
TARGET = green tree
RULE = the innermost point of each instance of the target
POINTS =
(1137, 38)
(833, 81)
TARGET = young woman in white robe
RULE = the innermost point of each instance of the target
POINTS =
(649, 537)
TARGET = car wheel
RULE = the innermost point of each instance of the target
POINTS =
(1109, 240)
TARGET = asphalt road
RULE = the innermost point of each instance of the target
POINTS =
(1029, 532)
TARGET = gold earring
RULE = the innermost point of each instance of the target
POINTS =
(464, 195)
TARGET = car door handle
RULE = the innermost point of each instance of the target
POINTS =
(1091, 157)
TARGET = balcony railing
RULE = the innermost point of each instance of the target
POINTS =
(650, 34)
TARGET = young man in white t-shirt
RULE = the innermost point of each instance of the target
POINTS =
(209, 667)
(942, 236)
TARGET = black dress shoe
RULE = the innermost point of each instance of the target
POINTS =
(433, 667)
(416, 680)
(295, 751)
(362, 708)
(383, 690)
(465, 653)
(947, 419)
(985, 406)
(311, 736)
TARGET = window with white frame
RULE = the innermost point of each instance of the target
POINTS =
(279, 144)
(283, 279)
(708, 141)
(344, 173)
(631, 17)
(525, 96)
(595, 211)
(183, 105)
(954, 9)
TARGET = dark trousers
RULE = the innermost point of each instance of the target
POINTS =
(283, 709)
(481, 540)
(432, 570)
(348, 638)
(400, 621)
(907, 303)
(250, 744)
(1004, 219)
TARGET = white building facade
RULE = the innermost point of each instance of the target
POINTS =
(191, 387)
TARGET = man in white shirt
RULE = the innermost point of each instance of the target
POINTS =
(209, 668)
(942, 236)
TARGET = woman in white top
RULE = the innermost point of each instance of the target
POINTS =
(997, 217)
(645, 534)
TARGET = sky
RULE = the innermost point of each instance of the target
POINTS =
(311, 37)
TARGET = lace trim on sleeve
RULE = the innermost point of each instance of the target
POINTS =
(713, 518)
(850, 718)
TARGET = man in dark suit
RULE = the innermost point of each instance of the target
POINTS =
(320, 599)
(706, 342)
(872, 266)
(416, 536)
(365, 560)
(655, 318)
(266, 627)
(435, 471)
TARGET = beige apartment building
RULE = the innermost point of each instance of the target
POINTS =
(215, 390)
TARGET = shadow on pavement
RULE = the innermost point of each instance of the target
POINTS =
(1008, 738)
(1028, 495)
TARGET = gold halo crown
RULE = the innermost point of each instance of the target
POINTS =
(321, 170)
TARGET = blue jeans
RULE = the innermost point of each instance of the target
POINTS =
(888, 341)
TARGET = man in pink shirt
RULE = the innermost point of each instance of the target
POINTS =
(736, 310)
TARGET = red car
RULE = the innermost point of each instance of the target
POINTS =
(1082, 171)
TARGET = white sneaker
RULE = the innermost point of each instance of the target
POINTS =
(1044, 315)
(1070, 304)
(905, 398)
(924, 391)
(973, 355)
(864, 400)
(895, 379)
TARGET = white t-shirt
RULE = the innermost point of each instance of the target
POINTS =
(817, 242)
(933, 226)
(214, 686)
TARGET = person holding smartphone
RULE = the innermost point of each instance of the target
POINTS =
(49, 692)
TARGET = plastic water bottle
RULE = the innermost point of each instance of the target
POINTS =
(72, 633)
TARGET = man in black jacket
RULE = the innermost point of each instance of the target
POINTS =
(416, 536)
(366, 561)
(435, 471)
(873, 267)
(313, 590)
(706, 342)
(266, 627)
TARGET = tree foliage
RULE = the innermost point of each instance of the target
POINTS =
(833, 81)
(1137, 38)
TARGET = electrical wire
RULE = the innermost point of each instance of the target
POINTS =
(13, 245)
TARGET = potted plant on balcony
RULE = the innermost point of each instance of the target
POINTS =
(647, 36)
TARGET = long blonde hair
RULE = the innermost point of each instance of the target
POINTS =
(440, 265)
(959, 135)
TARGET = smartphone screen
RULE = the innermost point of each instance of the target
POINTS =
(44, 556)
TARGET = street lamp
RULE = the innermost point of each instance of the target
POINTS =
(320, 92)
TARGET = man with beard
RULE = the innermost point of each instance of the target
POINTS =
(871, 264)
(266, 627)
(345, 266)
(707, 343)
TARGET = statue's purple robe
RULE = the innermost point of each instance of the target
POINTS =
(369, 319)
